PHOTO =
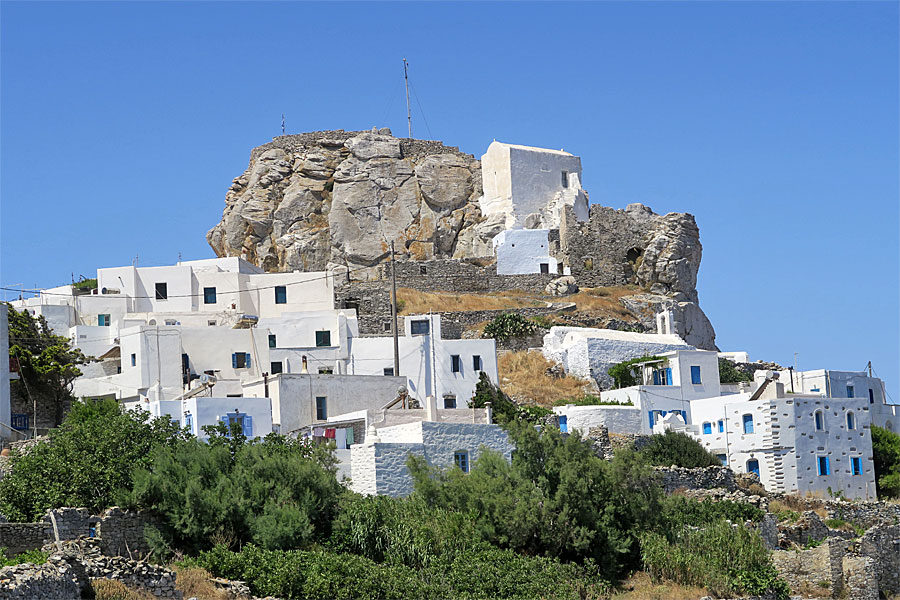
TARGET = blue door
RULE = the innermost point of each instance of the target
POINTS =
(563, 424)
(753, 466)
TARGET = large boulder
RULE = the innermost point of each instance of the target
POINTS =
(562, 286)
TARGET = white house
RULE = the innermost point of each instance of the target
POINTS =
(522, 251)
(252, 415)
(669, 383)
(378, 465)
(589, 353)
(796, 443)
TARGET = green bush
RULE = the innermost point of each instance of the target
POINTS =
(728, 373)
(728, 560)
(886, 455)
(680, 510)
(504, 409)
(679, 449)
(556, 499)
(35, 557)
(509, 325)
(87, 461)
(627, 373)
(277, 493)
(86, 284)
(590, 400)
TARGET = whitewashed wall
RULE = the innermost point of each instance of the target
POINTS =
(617, 419)
(522, 251)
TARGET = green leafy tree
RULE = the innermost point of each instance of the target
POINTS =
(886, 455)
(86, 461)
(277, 493)
(47, 362)
(728, 373)
(679, 449)
(556, 498)
(628, 372)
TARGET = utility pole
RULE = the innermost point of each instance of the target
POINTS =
(408, 113)
(394, 312)
(869, 367)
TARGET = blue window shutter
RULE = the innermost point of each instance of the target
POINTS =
(563, 423)
(695, 374)
(247, 360)
(655, 377)
(827, 466)
(707, 428)
(668, 375)
(234, 360)
(248, 426)
(650, 414)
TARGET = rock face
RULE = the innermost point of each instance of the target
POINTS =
(342, 197)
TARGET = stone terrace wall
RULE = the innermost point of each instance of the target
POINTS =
(883, 544)
(21, 537)
(459, 276)
(674, 478)
(819, 568)
(55, 580)
(121, 532)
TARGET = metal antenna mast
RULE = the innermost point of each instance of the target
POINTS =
(408, 113)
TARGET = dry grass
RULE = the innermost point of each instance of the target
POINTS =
(415, 302)
(604, 301)
(523, 375)
(801, 504)
(194, 582)
(640, 587)
(110, 589)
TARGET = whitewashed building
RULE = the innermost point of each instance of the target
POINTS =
(252, 415)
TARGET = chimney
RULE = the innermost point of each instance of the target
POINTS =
(431, 413)
(488, 413)
(305, 369)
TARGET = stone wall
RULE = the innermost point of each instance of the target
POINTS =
(55, 580)
(121, 532)
(883, 544)
(21, 537)
(675, 478)
(819, 569)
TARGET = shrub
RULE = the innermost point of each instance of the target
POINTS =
(504, 409)
(728, 372)
(87, 461)
(35, 557)
(590, 400)
(627, 373)
(509, 325)
(886, 455)
(85, 284)
(112, 589)
(680, 510)
(679, 449)
(728, 560)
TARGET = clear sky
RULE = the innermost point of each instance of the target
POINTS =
(775, 124)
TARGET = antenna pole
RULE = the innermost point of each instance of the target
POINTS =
(394, 314)
(408, 113)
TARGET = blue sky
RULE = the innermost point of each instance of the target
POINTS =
(775, 124)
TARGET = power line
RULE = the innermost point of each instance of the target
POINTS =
(416, 96)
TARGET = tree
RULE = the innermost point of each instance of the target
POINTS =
(47, 362)
(729, 373)
(627, 373)
(504, 409)
(886, 455)
(679, 449)
(509, 325)
(86, 462)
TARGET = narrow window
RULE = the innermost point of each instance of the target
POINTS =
(209, 295)
(321, 408)
(162, 291)
(871, 396)
(326, 371)
(323, 339)
(134, 360)
(823, 466)
(707, 428)
(559, 268)
(461, 459)
(563, 423)
(723, 458)
(565, 179)
(418, 327)
(652, 418)
(695, 374)
(449, 401)
(280, 294)
(820, 421)
(272, 341)
(748, 423)
(103, 320)
(856, 465)
(753, 466)
(721, 426)
(476, 363)
(455, 365)
(389, 371)
(850, 391)
(669, 376)
(276, 367)
(851, 420)
(545, 268)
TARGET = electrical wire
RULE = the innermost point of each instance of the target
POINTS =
(422, 112)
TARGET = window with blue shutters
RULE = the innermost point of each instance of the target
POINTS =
(669, 376)
(820, 420)
(721, 426)
(280, 294)
(240, 360)
(652, 419)
(851, 420)
(748, 423)
(209, 295)
(849, 391)
(695, 374)
(824, 466)
(247, 423)
(103, 320)
(707, 428)
(461, 459)
(656, 377)
(856, 465)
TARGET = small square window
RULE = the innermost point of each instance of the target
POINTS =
(211, 323)
(323, 339)
(162, 291)
(545, 268)
(103, 320)
(423, 270)
(389, 371)
(418, 327)
(321, 408)
(209, 295)
(455, 364)
(280, 294)
(272, 341)
(275, 367)
(449, 401)
(387, 327)
(695, 375)
(461, 460)
(707, 428)
(476, 364)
